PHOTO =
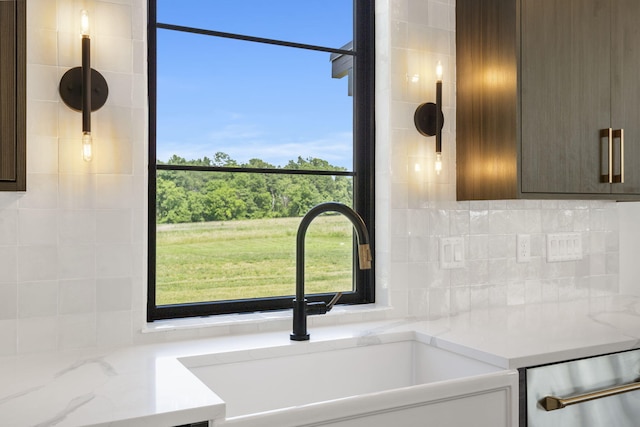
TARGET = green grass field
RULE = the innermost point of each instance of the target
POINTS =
(250, 259)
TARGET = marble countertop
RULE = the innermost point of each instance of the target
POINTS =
(148, 386)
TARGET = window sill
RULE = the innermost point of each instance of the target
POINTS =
(230, 324)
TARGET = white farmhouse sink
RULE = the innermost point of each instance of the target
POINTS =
(267, 379)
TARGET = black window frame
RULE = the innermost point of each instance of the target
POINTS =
(363, 170)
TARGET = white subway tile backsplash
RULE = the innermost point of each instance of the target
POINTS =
(42, 155)
(37, 263)
(76, 227)
(38, 227)
(114, 122)
(69, 51)
(113, 53)
(113, 294)
(114, 156)
(44, 121)
(77, 191)
(42, 82)
(113, 20)
(120, 88)
(41, 45)
(77, 331)
(116, 191)
(37, 299)
(42, 191)
(114, 328)
(439, 15)
(76, 261)
(43, 15)
(8, 301)
(8, 337)
(114, 226)
(8, 227)
(9, 264)
(38, 334)
(114, 260)
(77, 296)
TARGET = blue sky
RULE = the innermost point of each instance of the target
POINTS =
(252, 100)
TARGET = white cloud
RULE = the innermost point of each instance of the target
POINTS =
(243, 142)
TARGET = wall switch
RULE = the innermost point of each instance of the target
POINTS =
(564, 247)
(451, 252)
(523, 248)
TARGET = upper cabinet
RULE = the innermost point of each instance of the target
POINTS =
(548, 99)
(13, 95)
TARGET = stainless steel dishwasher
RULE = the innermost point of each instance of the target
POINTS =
(602, 391)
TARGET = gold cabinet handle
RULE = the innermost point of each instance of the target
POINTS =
(608, 133)
(619, 134)
(551, 403)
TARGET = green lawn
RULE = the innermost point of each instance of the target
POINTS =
(250, 259)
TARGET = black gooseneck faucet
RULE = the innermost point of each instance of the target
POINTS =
(300, 306)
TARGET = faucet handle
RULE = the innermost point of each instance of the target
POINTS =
(333, 301)
(321, 307)
(364, 256)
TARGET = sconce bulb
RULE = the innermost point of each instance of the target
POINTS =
(87, 146)
(84, 23)
(438, 163)
(439, 71)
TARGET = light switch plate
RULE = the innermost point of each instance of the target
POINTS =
(564, 247)
(451, 252)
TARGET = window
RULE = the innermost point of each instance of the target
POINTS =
(258, 111)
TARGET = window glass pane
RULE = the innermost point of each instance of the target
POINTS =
(223, 236)
(250, 101)
(318, 22)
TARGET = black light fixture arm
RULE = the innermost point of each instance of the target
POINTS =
(84, 89)
(429, 119)
(86, 83)
(76, 81)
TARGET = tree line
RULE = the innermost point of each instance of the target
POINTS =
(196, 196)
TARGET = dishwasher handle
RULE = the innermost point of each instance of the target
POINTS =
(551, 403)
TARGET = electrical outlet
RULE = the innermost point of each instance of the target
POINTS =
(451, 252)
(564, 247)
(523, 248)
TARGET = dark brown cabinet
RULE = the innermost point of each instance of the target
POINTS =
(12, 95)
(548, 99)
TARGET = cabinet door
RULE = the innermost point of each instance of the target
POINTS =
(625, 100)
(12, 95)
(566, 94)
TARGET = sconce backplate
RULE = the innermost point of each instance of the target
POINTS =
(71, 89)
(425, 119)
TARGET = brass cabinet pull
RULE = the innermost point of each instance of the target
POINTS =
(608, 133)
(619, 134)
(551, 403)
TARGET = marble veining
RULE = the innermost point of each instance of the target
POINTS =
(75, 403)
(106, 367)
(20, 394)
(149, 386)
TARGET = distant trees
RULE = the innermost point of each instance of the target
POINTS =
(194, 196)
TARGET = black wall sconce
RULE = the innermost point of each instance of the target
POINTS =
(84, 89)
(429, 119)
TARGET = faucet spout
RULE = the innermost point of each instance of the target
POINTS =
(300, 306)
